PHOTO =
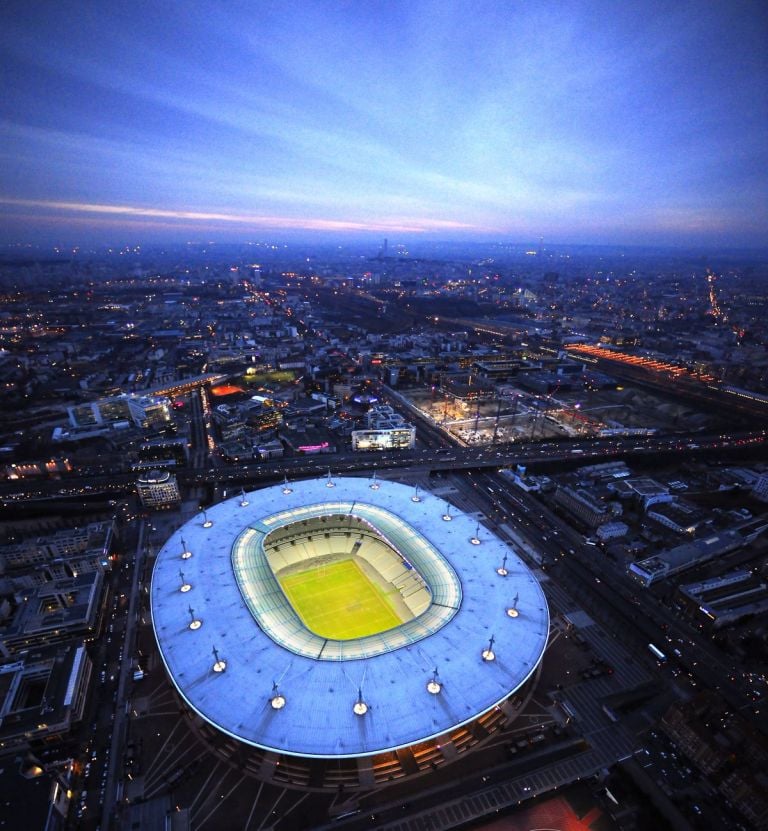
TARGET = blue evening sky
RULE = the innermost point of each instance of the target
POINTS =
(616, 122)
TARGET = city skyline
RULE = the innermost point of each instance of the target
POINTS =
(594, 124)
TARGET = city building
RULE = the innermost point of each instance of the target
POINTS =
(158, 489)
(270, 450)
(747, 789)
(54, 612)
(165, 449)
(693, 553)
(392, 438)
(61, 555)
(684, 724)
(143, 411)
(645, 490)
(386, 430)
(760, 488)
(719, 741)
(679, 516)
(309, 709)
(30, 469)
(309, 441)
(42, 694)
(611, 531)
(383, 417)
(720, 601)
(585, 506)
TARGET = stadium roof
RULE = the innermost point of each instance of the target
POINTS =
(317, 718)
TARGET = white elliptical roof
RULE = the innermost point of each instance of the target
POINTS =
(317, 719)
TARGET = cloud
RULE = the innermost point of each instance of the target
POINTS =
(252, 220)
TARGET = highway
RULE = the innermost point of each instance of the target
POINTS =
(540, 454)
(115, 768)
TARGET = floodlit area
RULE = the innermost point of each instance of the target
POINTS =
(514, 417)
(521, 415)
(337, 600)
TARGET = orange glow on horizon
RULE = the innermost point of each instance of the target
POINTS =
(405, 225)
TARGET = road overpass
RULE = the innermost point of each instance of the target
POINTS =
(541, 455)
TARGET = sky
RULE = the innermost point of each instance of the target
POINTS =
(575, 121)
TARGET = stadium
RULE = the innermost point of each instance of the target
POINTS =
(345, 631)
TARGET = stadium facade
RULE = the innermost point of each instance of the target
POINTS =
(285, 701)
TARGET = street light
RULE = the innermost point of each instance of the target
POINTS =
(277, 701)
(219, 664)
(194, 623)
(433, 685)
(185, 587)
(360, 708)
(488, 654)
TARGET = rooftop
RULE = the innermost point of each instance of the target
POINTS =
(388, 672)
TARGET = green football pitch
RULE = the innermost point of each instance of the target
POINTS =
(338, 601)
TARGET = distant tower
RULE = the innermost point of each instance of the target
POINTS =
(541, 247)
(714, 306)
(384, 248)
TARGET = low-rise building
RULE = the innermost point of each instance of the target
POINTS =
(42, 694)
(392, 438)
(612, 531)
(309, 440)
(54, 612)
(683, 724)
(760, 488)
(693, 553)
(585, 506)
(144, 411)
(270, 450)
(747, 790)
(61, 555)
(680, 516)
(721, 601)
(386, 430)
(158, 489)
(647, 491)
